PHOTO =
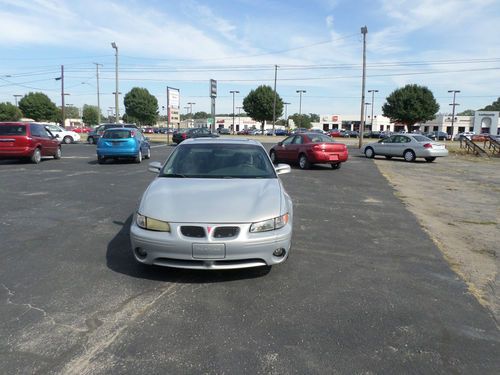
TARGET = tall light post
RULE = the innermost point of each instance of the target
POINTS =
(98, 95)
(17, 96)
(300, 92)
(117, 108)
(364, 31)
(455, 92)
(234, 92)
(190, 104)
(286, 116)
(373, 98)
(366, 109)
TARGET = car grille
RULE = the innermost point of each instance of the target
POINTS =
(226, 232)
(193, 231)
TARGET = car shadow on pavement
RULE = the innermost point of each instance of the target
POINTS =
(119, 259)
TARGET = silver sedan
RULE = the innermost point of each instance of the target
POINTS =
(216, 204)
(408, 146)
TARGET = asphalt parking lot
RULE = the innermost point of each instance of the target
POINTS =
(364, 291)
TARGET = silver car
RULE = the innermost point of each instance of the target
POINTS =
(408, 146)
(216, 204)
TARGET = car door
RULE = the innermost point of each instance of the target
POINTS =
(383, 147)
(293, 149)
(281, 148)
(400, 144)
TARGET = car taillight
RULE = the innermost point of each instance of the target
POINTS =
(428, 145)
(184, 135)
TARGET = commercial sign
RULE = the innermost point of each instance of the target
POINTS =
(213, 88)
(173, 97)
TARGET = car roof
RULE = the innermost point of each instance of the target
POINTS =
(240, 141)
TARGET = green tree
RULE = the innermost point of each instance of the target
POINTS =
(201, 115)
(314, 117)
(410, 105)
(71, 112)
(141, 105)
(495, 106)
(38, 106)
(259, 104)
(90, 114)
(9, 112)
(301, 121)
(467, 112)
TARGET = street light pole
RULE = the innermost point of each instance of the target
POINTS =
(234, 92)
(117, 108)
(373, 98)
(17, 96)
(454, 105)
(366, 109)
(364, 31)
(300, 92)
(98, 95)
(286, 117)
(191, 111)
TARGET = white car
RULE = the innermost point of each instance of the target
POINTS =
(65, 136)
(467, 135)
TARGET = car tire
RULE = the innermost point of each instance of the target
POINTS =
(100, 159)
(430, 159)
(336, 166)
(273, 157)
(67, 140)
(409, 155)
(90, 140)
(388, 157)
(369, 153)
(303, 162)
(138, 158)
(148, 154)
(58, 154)
(36, 158)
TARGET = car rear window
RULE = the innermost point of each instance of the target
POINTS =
(421, 138)
(320, 138)
(13, 130)
(117, 134)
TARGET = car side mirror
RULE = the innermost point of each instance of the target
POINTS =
(56, 136)
(282, 169)
(155, 167)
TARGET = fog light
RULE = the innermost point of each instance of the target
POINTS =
(141, 253)
(279, 252)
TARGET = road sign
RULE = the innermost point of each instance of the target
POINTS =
(213, 88)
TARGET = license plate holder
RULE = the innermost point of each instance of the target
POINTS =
(209, 250)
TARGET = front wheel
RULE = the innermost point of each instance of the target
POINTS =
(303, 162)
(409, 155)
(67, 140)
(430, 160)
(58, 154)
(36, 158)
(148, 154)
(273, 157)
(100, 159)
(369, 153)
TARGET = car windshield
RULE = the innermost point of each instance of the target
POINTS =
(421, 138)
(117, 134)
(219, 161)
(13, 130)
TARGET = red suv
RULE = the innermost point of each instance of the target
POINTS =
(27, 140)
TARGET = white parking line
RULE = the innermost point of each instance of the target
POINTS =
(156, 146)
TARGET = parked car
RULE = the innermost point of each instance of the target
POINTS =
(336, 133)
(94, 135)
(177, 223)
(352, 133)
(65, 136)
(148, 130)
(408, 146)
(467, 135)
(309, 148)
(224, 131)
(385, 134)
(183, 134)
(116, 143)
(79, 129)
(438, 136)
(27, 140)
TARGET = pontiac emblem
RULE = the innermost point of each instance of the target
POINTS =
(209, 229)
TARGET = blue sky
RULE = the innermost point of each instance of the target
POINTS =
(317, 44)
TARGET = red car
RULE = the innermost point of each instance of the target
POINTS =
(309, 148)
(27, 140)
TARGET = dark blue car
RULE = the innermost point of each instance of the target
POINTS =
(120, 143)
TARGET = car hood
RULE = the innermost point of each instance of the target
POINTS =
(191, 200)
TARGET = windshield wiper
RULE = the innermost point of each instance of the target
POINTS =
(178, 175)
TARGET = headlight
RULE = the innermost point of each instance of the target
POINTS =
(271, 224)
(152, 224)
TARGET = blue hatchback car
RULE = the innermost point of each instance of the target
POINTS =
(120, 143)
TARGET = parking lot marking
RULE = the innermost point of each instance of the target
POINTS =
(156, 146)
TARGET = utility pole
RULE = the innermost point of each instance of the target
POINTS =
(234, 92)
(364, 31)
(373, 98)
(17, 96)
(286, 118)
(98, 95)
(63, 109)
(117, 108)
(274, 103)
(239, 117)
(453, 105)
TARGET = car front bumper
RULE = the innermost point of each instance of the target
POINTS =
(173, 249)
